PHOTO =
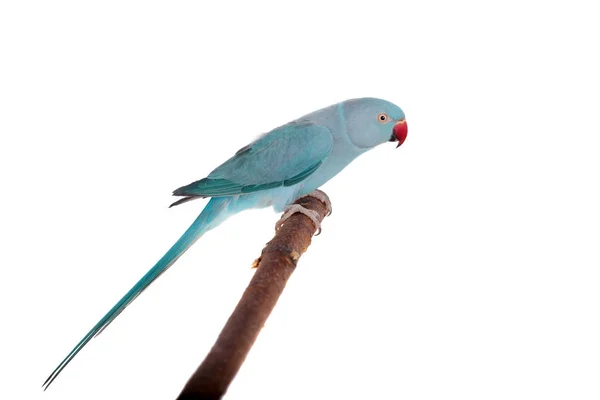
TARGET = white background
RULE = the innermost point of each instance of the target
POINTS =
(464, 265)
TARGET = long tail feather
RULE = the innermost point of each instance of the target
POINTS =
(212, 214)
(185, 200)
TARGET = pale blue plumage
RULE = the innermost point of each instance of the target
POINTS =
(274, 170)
(283, 157)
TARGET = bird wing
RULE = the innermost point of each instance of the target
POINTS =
(282, 157)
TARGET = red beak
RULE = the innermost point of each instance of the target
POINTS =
(400, 132)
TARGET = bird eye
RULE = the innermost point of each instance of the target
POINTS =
(382, 117)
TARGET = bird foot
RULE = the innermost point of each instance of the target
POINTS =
(292, 209)
(323, 198)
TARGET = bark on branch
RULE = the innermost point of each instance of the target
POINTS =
(274, 267)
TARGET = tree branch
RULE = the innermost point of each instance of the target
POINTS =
(274, 267)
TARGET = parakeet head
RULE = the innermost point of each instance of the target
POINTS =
(371, 122)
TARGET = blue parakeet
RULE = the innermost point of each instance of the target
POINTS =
(276, 169)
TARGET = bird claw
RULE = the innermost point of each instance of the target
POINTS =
(323, 198)
(292, 209)
(297, 208)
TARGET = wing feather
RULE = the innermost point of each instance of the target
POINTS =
(282, 157)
